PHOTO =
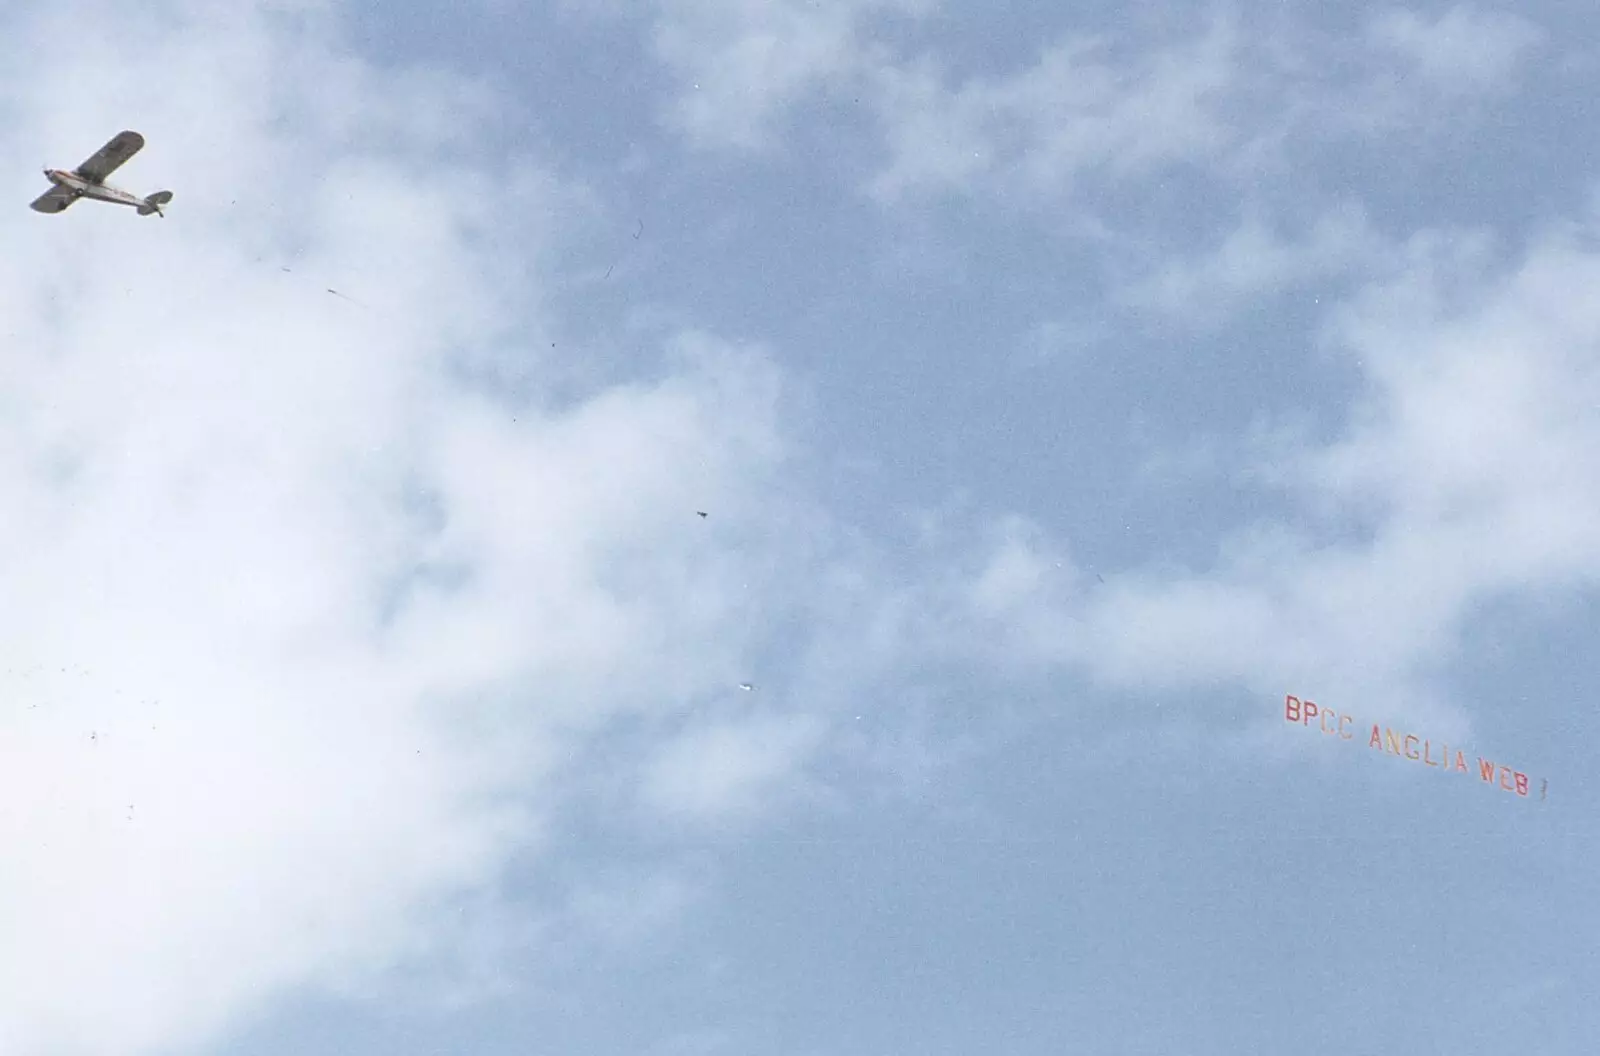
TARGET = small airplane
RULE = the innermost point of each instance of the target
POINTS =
(89, 180)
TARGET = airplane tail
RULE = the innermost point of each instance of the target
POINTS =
(154, 202)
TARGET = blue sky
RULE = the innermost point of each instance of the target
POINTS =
(1063, 388)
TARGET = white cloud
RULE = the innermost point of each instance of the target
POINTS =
(741, 64)
(1092, 110)
(1235, 104)
(1465, 472)
(1066, 341)
(1482, 421)
(304, 624)
(723, 769)
(622, 908)
(1255, 260)
(1463, 50)
(1081, 108)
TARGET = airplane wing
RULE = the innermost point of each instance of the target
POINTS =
(105, 161)
(52, 201)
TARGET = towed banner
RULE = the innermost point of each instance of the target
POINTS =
(1404, 745)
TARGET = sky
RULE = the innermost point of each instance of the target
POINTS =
(790, 528)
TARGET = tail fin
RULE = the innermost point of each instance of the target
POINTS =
(154, 202)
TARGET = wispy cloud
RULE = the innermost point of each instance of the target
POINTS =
(741, 65)
(1464, 50)
(1256, 260)
(1092, 111)
(1464, 466)
(725, 769)
(1080, 109)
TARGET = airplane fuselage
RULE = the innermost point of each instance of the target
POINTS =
(83, 188)
(89, 181)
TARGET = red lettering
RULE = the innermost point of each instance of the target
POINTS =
(1485, 769)
(1522, 783)
(1461, 762)
(1308, 709)
(1411, 752)
(1376, 741)
(1291, 709)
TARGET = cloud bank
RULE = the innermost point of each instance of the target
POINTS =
(313, 597)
